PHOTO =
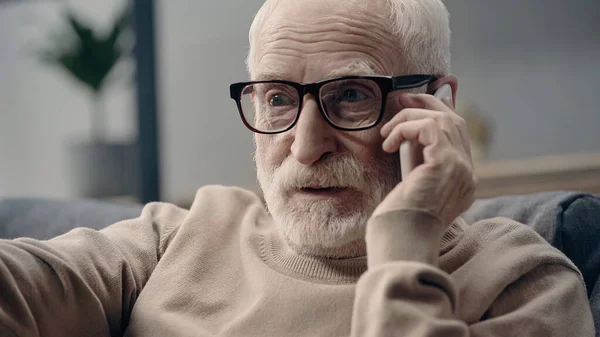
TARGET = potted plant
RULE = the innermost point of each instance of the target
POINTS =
(98, 167)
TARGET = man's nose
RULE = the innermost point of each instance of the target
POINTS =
(313, 136)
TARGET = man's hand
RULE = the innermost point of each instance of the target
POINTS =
(444, 184)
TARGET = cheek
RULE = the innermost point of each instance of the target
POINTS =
(270, 149)
(392, 107)
(371, 155)
(366, 145)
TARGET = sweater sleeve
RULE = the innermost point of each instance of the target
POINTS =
(404, 293)
(85, 282)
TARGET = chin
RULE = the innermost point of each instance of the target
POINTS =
(313, 227)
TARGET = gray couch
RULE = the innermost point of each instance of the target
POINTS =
(46, 218)
(569, 221)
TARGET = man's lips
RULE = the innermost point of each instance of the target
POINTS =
(321, 190)
(319, 187)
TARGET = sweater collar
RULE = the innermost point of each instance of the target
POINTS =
(277, 254)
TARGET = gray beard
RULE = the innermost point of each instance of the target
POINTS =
(327, 227)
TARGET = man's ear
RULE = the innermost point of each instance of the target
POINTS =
(448, 79)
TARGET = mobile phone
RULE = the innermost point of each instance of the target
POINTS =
(411, 153)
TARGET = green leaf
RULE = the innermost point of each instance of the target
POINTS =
(88, 58)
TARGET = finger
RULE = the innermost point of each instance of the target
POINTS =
(449, 103)
(425, 131)
(424, 101)
(408, 114)
(463, 133)
(449, 123)
(419, 101)
(454, 171)
(465, 139)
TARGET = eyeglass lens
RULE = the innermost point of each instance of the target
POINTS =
(347, 103)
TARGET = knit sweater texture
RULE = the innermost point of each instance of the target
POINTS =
(221, 269)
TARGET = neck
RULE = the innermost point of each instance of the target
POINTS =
(357, 248)
(325, 265)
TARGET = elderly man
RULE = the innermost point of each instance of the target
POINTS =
(345, 248)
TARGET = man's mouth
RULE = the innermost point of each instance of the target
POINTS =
(322, 191)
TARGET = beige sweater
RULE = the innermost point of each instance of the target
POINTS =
(221, 270)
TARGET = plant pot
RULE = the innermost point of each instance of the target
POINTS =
(104, 169)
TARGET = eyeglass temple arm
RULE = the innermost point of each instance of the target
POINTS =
(411, 81)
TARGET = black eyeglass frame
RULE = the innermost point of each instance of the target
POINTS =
(386, 84)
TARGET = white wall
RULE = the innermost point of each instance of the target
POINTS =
(202, 49)
(41, 109)
(531, 66)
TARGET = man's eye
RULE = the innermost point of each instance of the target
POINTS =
(351, 95)
(280, 100)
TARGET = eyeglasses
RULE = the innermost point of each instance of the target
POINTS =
(349, 103)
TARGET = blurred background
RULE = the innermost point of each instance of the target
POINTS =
(129, 101)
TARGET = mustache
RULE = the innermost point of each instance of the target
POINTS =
(333, 170)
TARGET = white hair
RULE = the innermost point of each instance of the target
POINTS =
(421, 28)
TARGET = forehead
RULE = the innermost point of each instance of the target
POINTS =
(274, 68)
(308, 41)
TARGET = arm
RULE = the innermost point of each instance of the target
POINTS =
(404, 293)
(84, 282)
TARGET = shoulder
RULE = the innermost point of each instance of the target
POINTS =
(219, 198)
(163, 212)
(501, 267)
(504, 233)
(215, 208)
(499, 255)
(504, 248)
(223, 209)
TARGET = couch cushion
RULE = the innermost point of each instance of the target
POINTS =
(541, 211)
(47, 218)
